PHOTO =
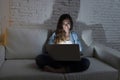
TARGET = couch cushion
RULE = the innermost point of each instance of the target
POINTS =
(2, 55)
(107, 54)
(97, 71)
(25, 43)
(25, 70)
(87, 42)
(87, 37)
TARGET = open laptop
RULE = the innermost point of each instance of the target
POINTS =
(64, 52)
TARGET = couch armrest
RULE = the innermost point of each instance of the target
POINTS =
(2, 54)
(108, 55)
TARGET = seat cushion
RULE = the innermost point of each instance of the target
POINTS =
(97, 71)
(25, 43)
(2, 55)
(25, 70)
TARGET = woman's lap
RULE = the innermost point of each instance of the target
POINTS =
(74, 66)
(44, 59)
(79, 66)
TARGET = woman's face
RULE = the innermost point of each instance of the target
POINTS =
(66, 25)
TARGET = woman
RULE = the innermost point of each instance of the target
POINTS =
(63, 35)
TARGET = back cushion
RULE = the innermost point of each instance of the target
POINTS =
(25, 43)
(87, 42)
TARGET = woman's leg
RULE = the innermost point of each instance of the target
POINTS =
(79, 66)
(46, 63)
(43, 60)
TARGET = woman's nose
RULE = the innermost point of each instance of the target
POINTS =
(66, 27)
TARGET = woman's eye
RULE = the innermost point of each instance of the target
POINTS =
(66, 24)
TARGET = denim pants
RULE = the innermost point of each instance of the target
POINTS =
(74, 66)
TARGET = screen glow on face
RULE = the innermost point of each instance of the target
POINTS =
(66, 25)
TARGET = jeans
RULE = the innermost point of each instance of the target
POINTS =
(73, 66)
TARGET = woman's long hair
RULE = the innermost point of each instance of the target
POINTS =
(60, 36)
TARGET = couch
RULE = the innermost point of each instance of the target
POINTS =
(17, 57)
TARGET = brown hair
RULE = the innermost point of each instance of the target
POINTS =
(60, 37)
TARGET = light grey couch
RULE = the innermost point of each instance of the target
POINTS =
(17, 58)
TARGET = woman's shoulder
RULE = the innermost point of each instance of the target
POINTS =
(53, 34)
(73, 33)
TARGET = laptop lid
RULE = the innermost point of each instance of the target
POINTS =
(64, 52)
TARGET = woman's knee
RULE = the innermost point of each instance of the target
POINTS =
(85, 63)
(42, 60)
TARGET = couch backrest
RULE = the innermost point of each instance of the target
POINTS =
(87, 42)
(25, 43)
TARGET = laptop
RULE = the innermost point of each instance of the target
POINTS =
(64, 52)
